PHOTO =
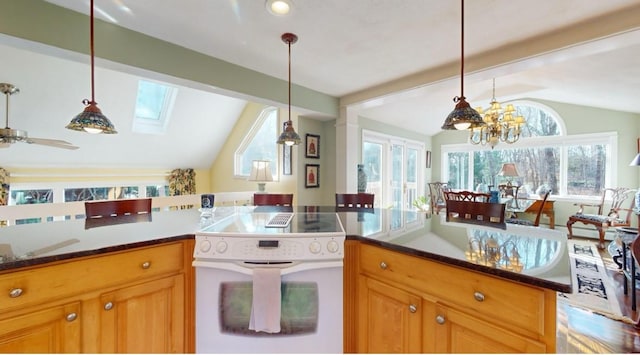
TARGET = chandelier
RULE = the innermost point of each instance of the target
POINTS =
(493, 253)
(501, 125)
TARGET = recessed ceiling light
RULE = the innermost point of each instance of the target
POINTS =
(278, 7)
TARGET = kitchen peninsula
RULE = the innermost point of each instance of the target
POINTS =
(84, 291)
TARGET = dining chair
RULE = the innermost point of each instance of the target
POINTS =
(272, 199)
(359, 200)
(107, 208)
(616, 215)
(480, 213)
(467, 196)
(527, 222)
(436, 194)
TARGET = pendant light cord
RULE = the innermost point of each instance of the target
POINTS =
(461, 50)
(289, 81)
(92, 55)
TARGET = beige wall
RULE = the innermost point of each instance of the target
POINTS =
(221, 177)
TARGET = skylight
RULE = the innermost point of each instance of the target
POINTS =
(153, 107)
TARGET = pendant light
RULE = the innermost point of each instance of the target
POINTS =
(463, 116)
(289, 135)
(91, 119)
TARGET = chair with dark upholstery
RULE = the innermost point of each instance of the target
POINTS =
(616, 215)
(106, 208)
(272, 199)
(355, 201)
(527, 222)
(436, 196)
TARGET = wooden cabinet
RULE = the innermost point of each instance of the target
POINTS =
(391, 319)
(53, 329)
(411, 304)
(134, 301)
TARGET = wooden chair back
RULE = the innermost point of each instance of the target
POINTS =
(107, 208)
(436, 195)
(508, 190)
(272, 199)
(481, 213)
(359, 200)
(467, 196)
(536, 221)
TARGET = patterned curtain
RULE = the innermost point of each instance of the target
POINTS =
(4, 187)
(182, 182)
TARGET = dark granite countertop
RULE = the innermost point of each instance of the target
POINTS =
(541, 252)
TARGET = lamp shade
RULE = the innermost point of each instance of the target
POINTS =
(261, 171)
(635, 161)
(508, 169)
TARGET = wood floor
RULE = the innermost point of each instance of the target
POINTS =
(581, 331)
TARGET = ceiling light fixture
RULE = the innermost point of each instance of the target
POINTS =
(289, 135)
(278, 7)
(463, 116)
(91, 119)
(500, 125)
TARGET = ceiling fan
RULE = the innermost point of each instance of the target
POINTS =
(9, 136)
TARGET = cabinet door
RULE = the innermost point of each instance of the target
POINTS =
(49, 330)
(144, 318)
(459, 332)
(389, 319)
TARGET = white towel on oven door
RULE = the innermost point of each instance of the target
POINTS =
(265, 310)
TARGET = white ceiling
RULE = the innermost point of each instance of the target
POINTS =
(396, 61)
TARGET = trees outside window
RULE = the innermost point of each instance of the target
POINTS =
(545, 158)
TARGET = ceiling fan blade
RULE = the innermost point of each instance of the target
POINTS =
(51, 143)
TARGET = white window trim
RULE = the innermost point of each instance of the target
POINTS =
(237, 156)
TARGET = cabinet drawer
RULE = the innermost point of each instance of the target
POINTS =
(41, 284)
(494, 299)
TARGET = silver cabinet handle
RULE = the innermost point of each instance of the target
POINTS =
(413, 308)
(383, 265)
(440, 319)
(71, 317)
(479, 296)
(16, 292)
(146, 265)
(108, 306)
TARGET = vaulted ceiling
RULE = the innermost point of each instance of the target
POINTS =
(394, 61)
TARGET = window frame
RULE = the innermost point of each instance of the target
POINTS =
(246, 140)
(562, 141)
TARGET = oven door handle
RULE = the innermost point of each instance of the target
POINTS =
(247, 269)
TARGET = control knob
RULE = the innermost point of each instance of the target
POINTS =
(205, 246)
(221, 247)
(315, 247)
(333, 246)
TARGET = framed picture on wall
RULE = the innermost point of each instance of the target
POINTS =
(312, 175)
(286, 159)
(313, 146)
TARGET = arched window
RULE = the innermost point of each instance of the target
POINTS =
(545, 158)
(259, 144)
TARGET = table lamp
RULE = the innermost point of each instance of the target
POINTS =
(509, 170)
(261, 172)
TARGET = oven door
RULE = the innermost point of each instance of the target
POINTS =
(311, 309)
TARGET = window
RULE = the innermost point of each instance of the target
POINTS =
(259, 144)
(572, 166)
(153, 107)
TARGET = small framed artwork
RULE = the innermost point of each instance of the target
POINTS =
(312, 175)
(286, 159)
(428, 155)
(313, 146)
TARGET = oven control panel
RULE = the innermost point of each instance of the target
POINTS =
(258, 248)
